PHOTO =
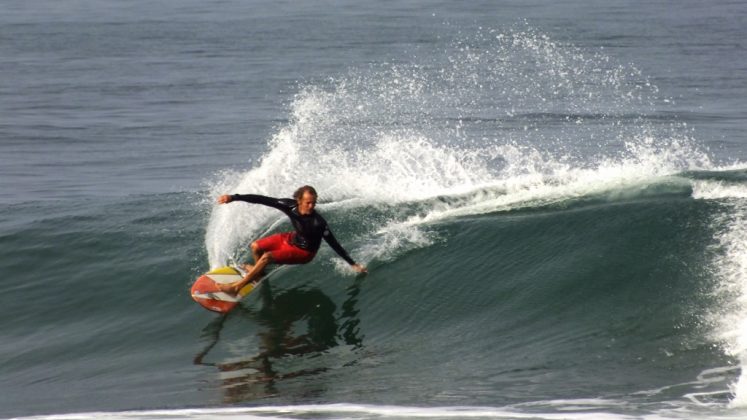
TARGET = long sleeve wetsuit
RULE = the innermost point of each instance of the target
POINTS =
(309, 229)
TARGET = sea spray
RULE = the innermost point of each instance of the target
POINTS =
(502, 119)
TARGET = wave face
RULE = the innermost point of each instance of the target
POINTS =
(542, 240)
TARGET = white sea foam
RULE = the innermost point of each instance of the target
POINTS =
(719, 190)
(730, 267)
(590, 408)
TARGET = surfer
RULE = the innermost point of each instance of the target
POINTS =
(297, 247)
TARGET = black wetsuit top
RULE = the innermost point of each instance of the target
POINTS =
(309, 229)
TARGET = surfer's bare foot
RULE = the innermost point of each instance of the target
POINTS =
(229, 288)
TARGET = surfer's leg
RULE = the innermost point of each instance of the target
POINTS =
(269, 244)
(256, 251)
(254, 274)
(258, 270)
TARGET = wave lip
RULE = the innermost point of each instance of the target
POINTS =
(446, 124)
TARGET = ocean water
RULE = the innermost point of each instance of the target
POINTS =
(551, 199)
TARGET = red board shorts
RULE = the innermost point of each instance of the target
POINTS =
(283, 251)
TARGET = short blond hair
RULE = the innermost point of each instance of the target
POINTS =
(303, 190)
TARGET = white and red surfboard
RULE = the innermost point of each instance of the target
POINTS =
(205, 290)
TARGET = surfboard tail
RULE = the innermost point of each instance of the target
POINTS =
(205, 289)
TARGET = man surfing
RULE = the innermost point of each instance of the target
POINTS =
(297, 247)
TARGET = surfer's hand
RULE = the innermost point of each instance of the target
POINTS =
(223, 199)
(359, 268)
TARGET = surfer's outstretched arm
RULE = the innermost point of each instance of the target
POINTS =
(332, 241)
(283, 204)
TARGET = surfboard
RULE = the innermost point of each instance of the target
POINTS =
(206, 293)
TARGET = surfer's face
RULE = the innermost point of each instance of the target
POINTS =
(306, 204)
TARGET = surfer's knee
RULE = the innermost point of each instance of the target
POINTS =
(266, 258)
(255, 247)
